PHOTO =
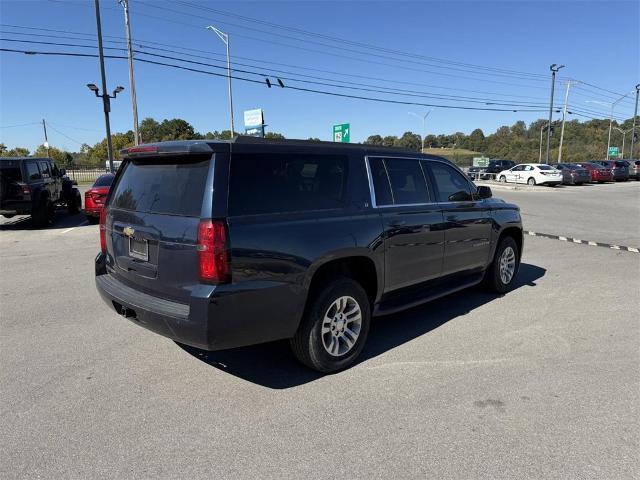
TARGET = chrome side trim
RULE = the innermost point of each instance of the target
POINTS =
(372, 193)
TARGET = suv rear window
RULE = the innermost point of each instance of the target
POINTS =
(173, 186)
(279, 183)
(10, 172)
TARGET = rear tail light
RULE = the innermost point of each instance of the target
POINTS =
(103, 230)
(25, 189)
(212, 251)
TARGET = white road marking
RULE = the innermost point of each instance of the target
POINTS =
(86, 222)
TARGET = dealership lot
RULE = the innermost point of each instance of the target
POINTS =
(541, 383)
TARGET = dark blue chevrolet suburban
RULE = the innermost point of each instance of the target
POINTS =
(224, 244)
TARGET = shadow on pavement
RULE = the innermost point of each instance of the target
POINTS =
(62, 219)
(272, 364)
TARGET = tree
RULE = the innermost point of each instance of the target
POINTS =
(149, 130)
(374, 140)
(59, 156)
(177, 129)
(97, 154)
(476, 140)
(274, 135)
(389, 140)
(410, 141)
(3, 150)
(18, 152)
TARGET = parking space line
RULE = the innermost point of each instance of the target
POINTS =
(583, 242)
(73, 228)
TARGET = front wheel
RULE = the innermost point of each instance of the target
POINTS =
(502, 179)
(502, 271)
(531, 181)
(334, 328)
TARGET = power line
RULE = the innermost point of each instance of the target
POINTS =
(20, 125)
(358, 86)
(142, 43)
(65, 135)
(290, 87)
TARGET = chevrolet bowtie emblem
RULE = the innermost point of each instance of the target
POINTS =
(128, 231)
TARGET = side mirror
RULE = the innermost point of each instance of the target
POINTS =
(484, 192)
(460, 196)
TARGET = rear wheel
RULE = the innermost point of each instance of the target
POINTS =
(334, 328)
(43, 213)
(75, 202)
(502, 271)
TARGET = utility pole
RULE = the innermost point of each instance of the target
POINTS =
(624, 138)
(132, 84)
(105, 98)
(554, 69)
(46, 140)
(635, 115)
(541, 130)
(564, 117)
(225, 38)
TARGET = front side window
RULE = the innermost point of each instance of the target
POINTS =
(33, 173)
(448, 181)
(44, 168)
(518, 168)
(408, 184)
(280, 183)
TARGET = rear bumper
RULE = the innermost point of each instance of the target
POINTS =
(216, 317)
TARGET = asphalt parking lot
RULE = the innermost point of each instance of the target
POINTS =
(543, 382)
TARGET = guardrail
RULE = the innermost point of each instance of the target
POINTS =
(84, 173)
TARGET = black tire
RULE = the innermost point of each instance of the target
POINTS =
(531, 181)
(75, 202)
(91, 220)
(502, 179)
(492, 279)
(307, 344)
(43, 213)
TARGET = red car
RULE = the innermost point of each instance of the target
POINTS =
(598, 172)
(94, 197)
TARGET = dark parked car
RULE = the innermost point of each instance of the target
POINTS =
(619, 169)
(224, 244)
(35, 186)
(598, 172)
(634, 169)
(94, 197)
(475, 173)
(572, 174)
(497, 166)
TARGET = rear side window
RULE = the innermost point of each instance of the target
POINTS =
(448, 181)
(33, 173)
(279, 183)
(381, 185)
(173, 186)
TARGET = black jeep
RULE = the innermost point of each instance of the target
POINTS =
(34, 186)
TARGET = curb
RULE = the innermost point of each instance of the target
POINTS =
(583, 242)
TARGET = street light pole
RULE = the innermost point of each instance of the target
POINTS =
(635, 115)
(564, 117)
(554, 69)
(132, 84)
(105, 98)
(225, 38)
(611, 120)
(624, 136)
(424, 128)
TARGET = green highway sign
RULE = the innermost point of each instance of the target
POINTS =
(614, 152)
(342, 133)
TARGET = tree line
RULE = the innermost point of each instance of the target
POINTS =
(519, 142)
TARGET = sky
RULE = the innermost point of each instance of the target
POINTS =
(416, 52)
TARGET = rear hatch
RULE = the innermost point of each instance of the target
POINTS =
(11, 185)
(152, 222)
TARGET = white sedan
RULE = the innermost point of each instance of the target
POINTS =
(532, 174)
